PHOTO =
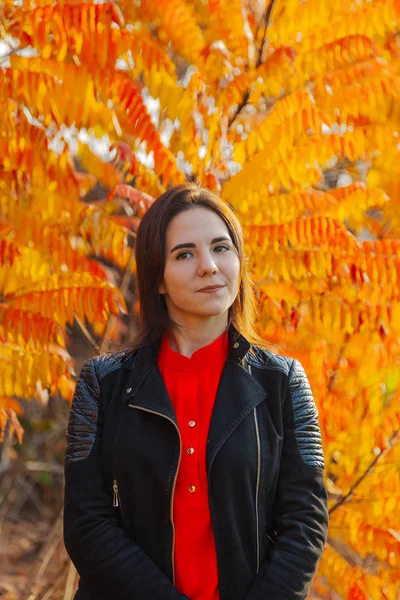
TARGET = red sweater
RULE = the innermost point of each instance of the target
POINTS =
(192, 386)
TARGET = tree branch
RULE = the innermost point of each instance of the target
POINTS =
(368, 471)
(43, 557)
(353, 559)
(246, 94)
(266, 23)
(87, 334)
(336, 367)
(239, 108)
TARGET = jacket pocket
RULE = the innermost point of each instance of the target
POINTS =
(269, 543)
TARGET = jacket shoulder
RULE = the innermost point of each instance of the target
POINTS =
(265, 359)
(104, 364)
(84, 414)
(303, 416)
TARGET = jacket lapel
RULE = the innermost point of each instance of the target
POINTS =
(238, 394)
(146, 388)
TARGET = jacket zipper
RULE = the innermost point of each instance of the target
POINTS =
(257, 482)
(257, 495)
(116, 501)
(174, 484)
(257, 489)
(116, 498)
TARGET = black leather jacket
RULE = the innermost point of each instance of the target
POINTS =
(265, 467)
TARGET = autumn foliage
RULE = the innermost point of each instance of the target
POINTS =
(290, 110)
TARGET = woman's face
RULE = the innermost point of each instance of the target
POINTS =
(199, 253)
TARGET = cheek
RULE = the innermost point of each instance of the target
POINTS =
(233, 271)
(174, 278)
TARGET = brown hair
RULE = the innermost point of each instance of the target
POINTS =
(150, 263)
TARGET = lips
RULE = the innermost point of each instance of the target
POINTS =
(211, 287)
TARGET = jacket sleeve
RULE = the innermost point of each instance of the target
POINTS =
(110, 564)
(301, 506)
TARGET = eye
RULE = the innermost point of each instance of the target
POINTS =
(220, 249)
(182, 254)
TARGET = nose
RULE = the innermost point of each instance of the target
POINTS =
(206, 264)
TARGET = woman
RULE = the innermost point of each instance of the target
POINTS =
(194, 466)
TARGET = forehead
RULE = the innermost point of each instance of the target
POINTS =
(200, 222)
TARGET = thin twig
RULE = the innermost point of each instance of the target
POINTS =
(336, 368)
(44, 557)
(33, 466)
(266, 23)
(87, 334)
(5, 446)
(69, 586)
(47, 467)
(239, 109)
(246, 94)
(8, 502)
(368, 471)
(33, 496)
(49, 594)
(48, 590)
(349, 555)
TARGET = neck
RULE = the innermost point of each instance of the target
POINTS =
(191, 336)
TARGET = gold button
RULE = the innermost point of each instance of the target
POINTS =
(190, 450)
(192, 423)
(236, 345)
(192, 489)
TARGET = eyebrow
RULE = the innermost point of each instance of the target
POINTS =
(191, 245)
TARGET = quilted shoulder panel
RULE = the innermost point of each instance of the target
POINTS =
(307, 429)
(82, 424)
(83, 418)
(265, 359)
(106, 363)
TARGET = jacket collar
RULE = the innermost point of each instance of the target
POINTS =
(238, 392)
(146, 361)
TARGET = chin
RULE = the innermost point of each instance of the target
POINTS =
(205, 309)
(210, 312)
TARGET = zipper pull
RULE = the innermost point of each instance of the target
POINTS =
(115, 497)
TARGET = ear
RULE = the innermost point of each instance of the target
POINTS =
(161, 288)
